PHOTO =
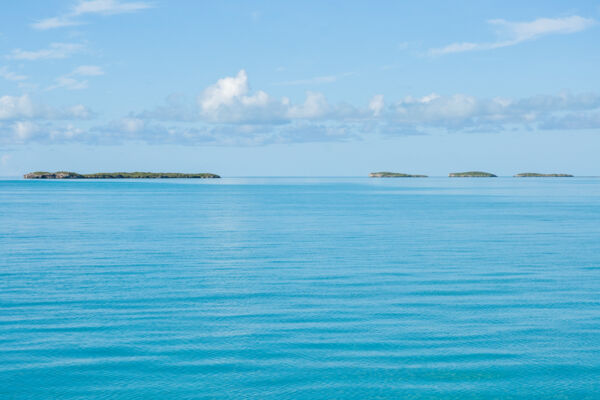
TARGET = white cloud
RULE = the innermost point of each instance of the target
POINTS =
(228, 101)
(315, 106)
(317, 80)
(23, 107)
(16, 107)
(79, 111)
(54, 22)
(72, 81)
(68, 83)
(11, 76)
(88, 70)
(131, 125)
(69, 132)
(90, 7)
(108, 7)
(433, 108)
(521, 31)
(229, 113)
(225, 92)
(376, 104)
(24, 130)
(54, 51)
(512, 33)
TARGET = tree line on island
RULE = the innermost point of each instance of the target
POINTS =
(116, 175)
(468, 174)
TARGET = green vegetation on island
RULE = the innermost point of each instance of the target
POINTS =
(537, 175)
(115, 175)
(386, 174)
(471, 174)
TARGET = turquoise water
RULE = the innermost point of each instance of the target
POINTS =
(300, 289)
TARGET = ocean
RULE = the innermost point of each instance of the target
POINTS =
(300, 288)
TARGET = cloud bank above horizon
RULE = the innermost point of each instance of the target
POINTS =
(228, 112)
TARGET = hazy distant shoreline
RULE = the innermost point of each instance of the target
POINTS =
(468, 174)
(67, 175)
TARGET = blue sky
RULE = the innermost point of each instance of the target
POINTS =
(310, 88)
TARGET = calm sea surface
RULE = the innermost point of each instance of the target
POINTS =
(331, 288)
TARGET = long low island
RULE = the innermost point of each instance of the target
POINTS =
(117, 175)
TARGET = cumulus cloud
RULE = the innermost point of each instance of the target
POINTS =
(512, 33)
(90, 7)
(229, 101)
(54, 51)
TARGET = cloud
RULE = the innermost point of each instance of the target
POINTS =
(88, 70)
(90, 7)
(11, 76)
(229, 101)
(177, 108)
(512, 33)
(462, 112)
(317, 80)
(5, 159)
(24, 108)
(24, 130)
(225, 92)
(17, 107)
(73, 81)
(376, 104)
(131, 125)
(68, 83)
(573, 121)
(78, 111)
(23, 120)
(54, 51)
(229, 113)
(315, 106)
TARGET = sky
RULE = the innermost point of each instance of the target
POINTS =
(305, 88)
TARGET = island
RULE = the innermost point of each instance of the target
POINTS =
(537, 175)
(116, 175)
(386, 174)
(471, 174)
